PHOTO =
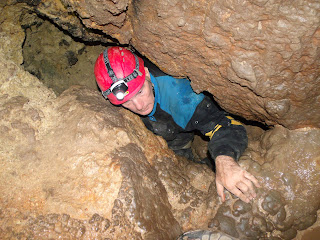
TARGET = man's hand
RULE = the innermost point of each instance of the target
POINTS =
(231, 176)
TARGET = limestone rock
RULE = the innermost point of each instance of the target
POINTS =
(287, 164)
(108, 16)
(70, 169)
(82, 19)
(74, 166)
(61, 61)
(77, 167)
(11, 32)
(259, 59)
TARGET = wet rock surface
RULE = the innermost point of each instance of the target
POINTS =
(11, 33)
(76, 167)
(60, 60)
(287, 174)
(259, 59)
(59, 178)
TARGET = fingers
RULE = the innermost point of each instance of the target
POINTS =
(250, 189)
(241, 190)
(238, 181)
(240, 195)
(235, 191)
(220, 192)
(244, 187)
(252, 178)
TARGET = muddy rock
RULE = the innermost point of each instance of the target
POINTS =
(75, 161)
(75, 167)
(287, 166)
(11, 32)
(259, 59)
(60, 178)
(61, 61)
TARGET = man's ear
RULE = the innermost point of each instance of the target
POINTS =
(147, 72)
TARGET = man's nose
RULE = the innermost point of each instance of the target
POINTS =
(138, 103)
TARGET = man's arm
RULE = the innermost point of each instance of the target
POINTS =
(228, 140)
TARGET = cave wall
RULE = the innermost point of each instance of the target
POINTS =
(259, 59)
(61, 179)
(71, 169)
(76, 167)
(60, 61)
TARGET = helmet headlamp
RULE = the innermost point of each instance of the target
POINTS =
(119, 89)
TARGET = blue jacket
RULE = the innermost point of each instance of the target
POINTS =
(178, 111)
(175, 97)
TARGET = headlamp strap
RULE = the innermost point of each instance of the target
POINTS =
(113, 76)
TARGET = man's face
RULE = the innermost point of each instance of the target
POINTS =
(142, 102)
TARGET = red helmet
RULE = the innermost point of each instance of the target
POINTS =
(119, 73)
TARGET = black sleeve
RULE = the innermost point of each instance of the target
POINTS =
(227, 136)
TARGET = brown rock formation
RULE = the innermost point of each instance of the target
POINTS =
(60, 61)
(259, 59)
(11, 33)
(70, 169)
(288, 164)
(76, 167)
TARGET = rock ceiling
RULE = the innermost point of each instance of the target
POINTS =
(258, 58)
